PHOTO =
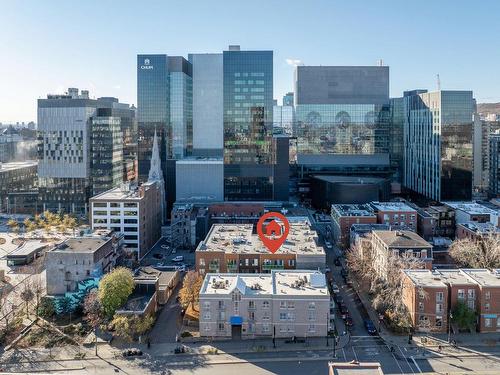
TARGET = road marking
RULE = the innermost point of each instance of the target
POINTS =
(416, 364)
(343, 352)
(406, 359)
(354, 352)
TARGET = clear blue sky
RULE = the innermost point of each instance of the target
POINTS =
(47, 46)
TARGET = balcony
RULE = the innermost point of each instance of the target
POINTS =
(232, 267)
(268, 267)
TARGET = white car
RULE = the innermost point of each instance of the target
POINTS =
(335, 288)
(178, 258)
(328, 244)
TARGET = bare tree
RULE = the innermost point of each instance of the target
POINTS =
(481, 253)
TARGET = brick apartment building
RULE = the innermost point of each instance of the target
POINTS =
(398, 215)
(474, 231)
(345, 215)
(479, 289)
(425, 297)
(238, 248)
(399, 242)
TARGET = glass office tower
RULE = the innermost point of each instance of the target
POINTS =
(438, 144)
(153, 109)
(248, 118)
(342, 110)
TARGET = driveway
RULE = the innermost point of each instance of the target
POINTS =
(168, 322)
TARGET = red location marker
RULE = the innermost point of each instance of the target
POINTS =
(274, 233)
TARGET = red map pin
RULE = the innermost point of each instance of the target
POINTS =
(275, 233)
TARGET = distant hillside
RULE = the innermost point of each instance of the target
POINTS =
(484, 108)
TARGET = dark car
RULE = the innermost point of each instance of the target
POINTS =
(157, 256)
(338, 299)
(370, 327)
(348, 321)
(343, 272)
(337, 262)
(343, 310)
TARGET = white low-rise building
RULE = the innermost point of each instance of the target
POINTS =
(283, 303)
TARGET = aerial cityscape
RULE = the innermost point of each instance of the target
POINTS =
(221, 187)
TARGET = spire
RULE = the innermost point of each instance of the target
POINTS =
(155, 172)
(156, 175)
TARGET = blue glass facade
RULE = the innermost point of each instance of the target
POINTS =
(153, 109)
(248, 118)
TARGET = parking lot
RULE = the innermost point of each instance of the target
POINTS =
(163, 257)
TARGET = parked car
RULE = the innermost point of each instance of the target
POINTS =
(335, 288)
(343, 272)
(337, 262)
(338, 299)
(327, 269)
(157, 256)
(131, 352)
(328, 244)
(178, 258)
(343, 310)
(348, 321)
(370, 327)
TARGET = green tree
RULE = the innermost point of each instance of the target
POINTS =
(190, 290)
(131, 327)
(27, 296)
(46, 309)
(114, 290)
(464, 316)
(29, 225)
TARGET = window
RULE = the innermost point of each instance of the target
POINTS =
(291, 304)
(421, 294)
(282, 329)
(487, 306)
(487, 322)
(265, 304)
(265, 327)
(471, 293)
(206, 305)
(439, 321)
(487, 295)
(312, 305)
(291, 262)
(311, 315)
(439, 296)
(471, 304)
(265, 315)
(202, 262)
(222, 315)
(114, 204)
(251, 304)
(255, 262)
(461, 294)
(251, 315)
(439, 308)
(206, 315)
(283, 316)
(206, 327)
(420, 306)
(221, 326)
(311, 328)
(282, 304)
(498, 322)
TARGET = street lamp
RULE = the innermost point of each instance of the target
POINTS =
(450, 316)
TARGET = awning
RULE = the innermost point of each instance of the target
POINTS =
(236, 320)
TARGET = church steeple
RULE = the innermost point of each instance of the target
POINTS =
(155, 172)
(156, 175)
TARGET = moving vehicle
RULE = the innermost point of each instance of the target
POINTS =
(327, 269)
(343, 310)
(348, 321)
(178, 258)
(370, 327)
(328, 244)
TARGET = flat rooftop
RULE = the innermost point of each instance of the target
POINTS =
(472, 208)
(11, 166)
(355, 368)
(455, 277)
(360, 228)
(401, 238)
(483, 277)
(425, 278)
(240, 239)
(122, 193)
(481, 228)
(277, 283)
(353, 210)
(81, 245)
(393, 206)
(28, 248)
